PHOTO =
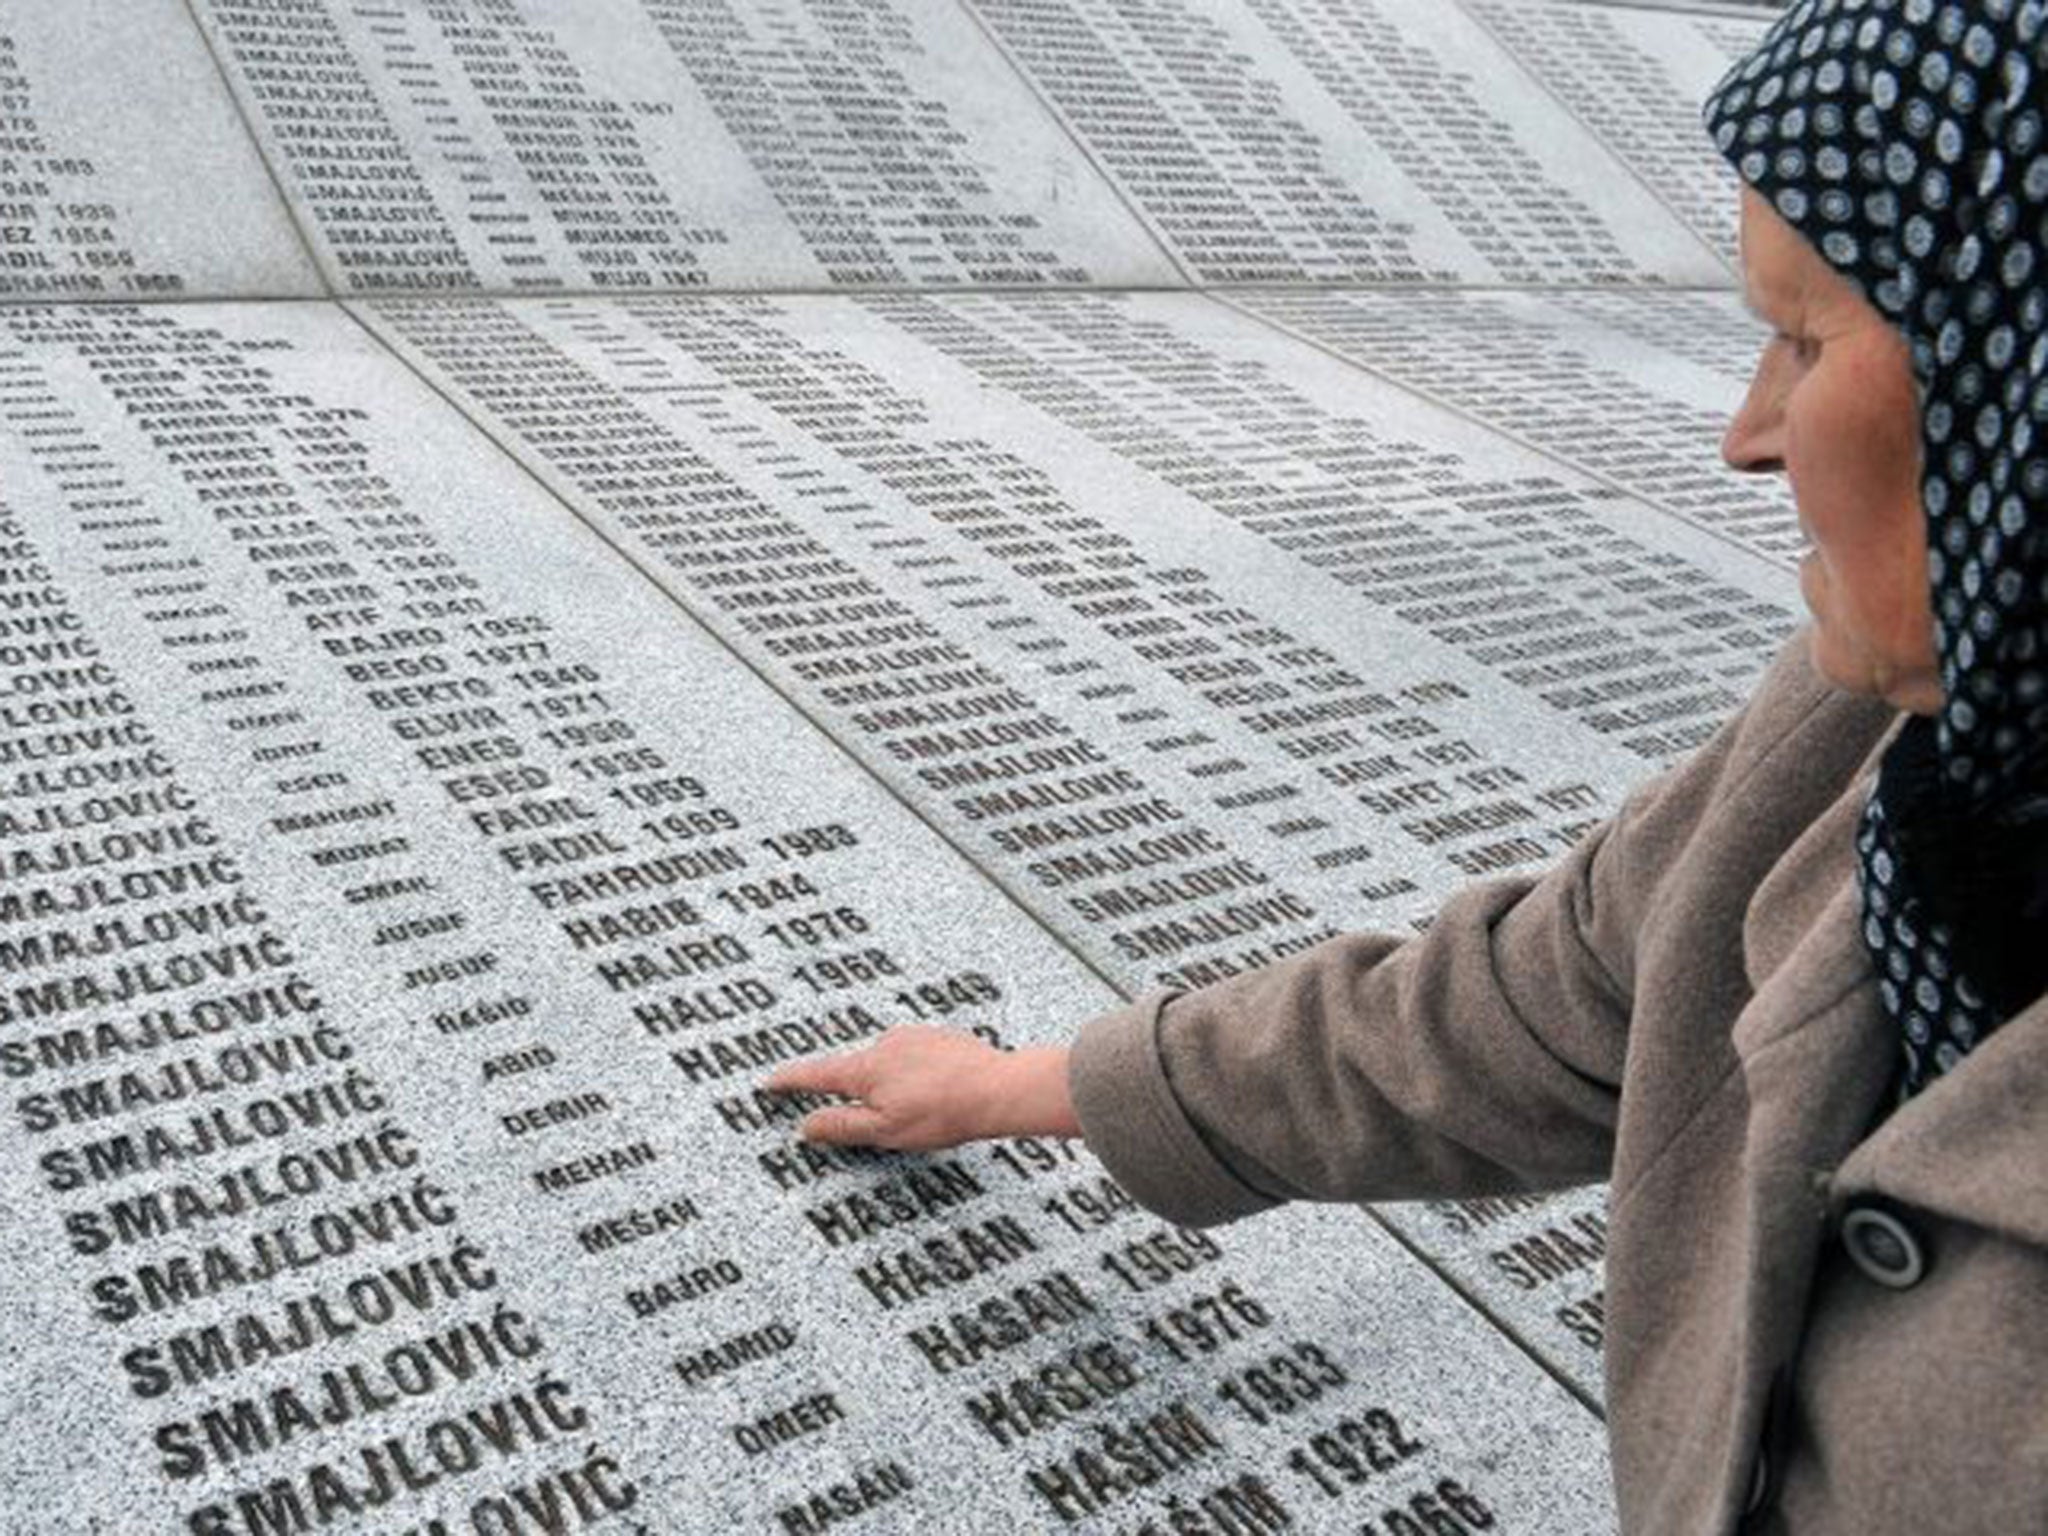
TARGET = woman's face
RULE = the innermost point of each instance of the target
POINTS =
(1833, 406)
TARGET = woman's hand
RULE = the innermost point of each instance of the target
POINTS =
(921, 1087)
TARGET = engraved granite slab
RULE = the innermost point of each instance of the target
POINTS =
(1287, 141)
(1202, 642)
(415, 848)
(667, 144)
(1636, 76)
(125, 171)
(401, 900)
(1635, 388)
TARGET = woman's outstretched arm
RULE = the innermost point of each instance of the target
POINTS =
(1484, 1055)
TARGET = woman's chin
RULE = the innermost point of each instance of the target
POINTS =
(1837, 663)
(1856, 669)
(1813, 591)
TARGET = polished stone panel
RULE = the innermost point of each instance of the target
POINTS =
(616, 145)
(1374, 141)
(1636, 76)
(403, 898)
(807, 514)
(1634, 388)
(1204, 644)
(125, 171)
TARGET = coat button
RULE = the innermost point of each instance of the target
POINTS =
(1883, 1246)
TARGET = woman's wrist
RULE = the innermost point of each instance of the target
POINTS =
(1029, 1096)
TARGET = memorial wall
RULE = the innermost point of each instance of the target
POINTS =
(554, 557)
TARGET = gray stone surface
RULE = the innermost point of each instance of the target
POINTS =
(125, 172)
(455, 740)
(1365, 142)
(625, 144)
(1634, 388)
(1636, 76)
(331, 741)
(1264, 650)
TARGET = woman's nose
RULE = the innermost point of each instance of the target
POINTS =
(1745, 447)
(1753, 442)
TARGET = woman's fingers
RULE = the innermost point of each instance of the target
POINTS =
(848, 1072)
(846, 1125)
(915, 1089)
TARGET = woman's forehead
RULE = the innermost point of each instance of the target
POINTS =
(1779, 269)
(1783, 275)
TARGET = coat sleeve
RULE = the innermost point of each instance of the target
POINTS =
(1482, 1056)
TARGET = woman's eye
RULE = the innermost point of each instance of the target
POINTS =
(1804, 348)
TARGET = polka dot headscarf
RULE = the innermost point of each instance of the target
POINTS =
(1907, 141)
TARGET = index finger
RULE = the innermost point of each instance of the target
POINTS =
(843, 1072)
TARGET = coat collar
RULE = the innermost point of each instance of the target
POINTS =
(1973, 1145)
(1790, 907)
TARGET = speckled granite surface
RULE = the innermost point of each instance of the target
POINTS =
(536, 658)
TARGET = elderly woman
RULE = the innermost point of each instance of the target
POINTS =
(1790, 999)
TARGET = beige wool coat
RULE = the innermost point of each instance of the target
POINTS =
(1812, 1327)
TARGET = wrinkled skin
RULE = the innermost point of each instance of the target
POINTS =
(1833, 407)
